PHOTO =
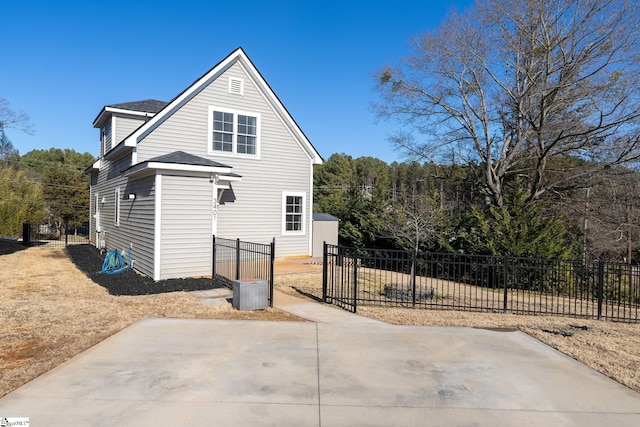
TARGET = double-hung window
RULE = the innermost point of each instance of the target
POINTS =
(233, 132)
(247, 134)
(293, 213)
(222, 131)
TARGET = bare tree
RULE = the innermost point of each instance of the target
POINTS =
(511, 84)
(413, 220)
(608, 210)
(10, 119)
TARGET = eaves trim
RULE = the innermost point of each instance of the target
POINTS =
(145, 167)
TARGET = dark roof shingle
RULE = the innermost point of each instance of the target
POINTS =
(146, 106)
(324, 217)
(182, 158)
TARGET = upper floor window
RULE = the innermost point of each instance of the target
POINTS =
(234, 132)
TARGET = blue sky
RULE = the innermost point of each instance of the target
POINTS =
(63, 61)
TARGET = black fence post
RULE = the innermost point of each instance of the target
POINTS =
(26, 233)
(271, 272)
(237, 259)
(355, 281)
(600, 287)
(324, 271)
(505, 279)
(413, 278)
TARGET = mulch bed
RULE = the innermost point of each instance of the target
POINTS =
(9, 246)
(88, 259)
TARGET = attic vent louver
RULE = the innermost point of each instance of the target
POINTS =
(236, 86)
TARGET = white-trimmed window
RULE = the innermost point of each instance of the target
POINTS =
(293, 213)
(116, 213)
(233, 132)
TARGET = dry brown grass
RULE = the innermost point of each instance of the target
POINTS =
(608, 347)
(51, 311)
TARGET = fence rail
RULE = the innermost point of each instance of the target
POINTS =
(45, 234)
(602, 290)
(237, 260)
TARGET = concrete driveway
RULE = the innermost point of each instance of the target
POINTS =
(337, 372)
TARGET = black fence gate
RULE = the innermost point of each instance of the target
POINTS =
(50, 235)
(598, 289)
(340, 276)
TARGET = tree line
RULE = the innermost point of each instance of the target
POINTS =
(41, 186)
(436, 207)
(524, 116)
(44, 187)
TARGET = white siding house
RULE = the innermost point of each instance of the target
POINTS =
(222, 158)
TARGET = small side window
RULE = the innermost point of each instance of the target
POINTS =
(293, 213)
(117, 207)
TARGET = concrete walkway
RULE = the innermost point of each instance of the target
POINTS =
(317, 312)
(339, 370)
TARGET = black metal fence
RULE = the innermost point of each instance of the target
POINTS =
(237, 260)
(602, 290)
(50, 235)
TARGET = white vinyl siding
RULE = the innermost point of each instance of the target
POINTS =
(136, 216)
(186, 221)
(125, 126)
(139, 216)
(283, 165)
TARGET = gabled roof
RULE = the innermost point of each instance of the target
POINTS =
(205, 80)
